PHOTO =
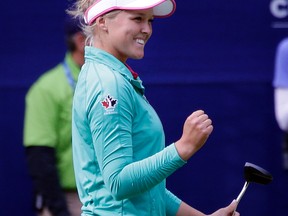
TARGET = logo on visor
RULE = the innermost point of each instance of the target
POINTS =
(109, 104)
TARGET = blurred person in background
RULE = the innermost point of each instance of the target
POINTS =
(47, 130)
(280, 84)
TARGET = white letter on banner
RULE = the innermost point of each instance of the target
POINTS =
(279, 8)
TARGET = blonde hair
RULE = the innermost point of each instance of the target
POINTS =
(78, 10)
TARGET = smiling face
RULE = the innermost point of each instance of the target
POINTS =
(125, 34)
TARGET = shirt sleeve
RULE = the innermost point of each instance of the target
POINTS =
(40, 115)
(41, 161)
(112, 136)
(281, 65)
(172, 203)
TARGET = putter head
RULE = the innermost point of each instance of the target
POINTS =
(254, 173)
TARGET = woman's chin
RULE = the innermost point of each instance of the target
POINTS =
(138, 56)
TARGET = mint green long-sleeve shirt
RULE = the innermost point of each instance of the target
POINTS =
(119, 153)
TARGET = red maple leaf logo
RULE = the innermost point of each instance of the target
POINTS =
(105, 104)
(109, 102)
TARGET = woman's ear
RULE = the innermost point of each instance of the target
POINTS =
(102, 23)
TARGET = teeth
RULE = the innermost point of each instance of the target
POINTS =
(140, 41)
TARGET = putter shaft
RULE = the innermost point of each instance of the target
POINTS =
(242, 191)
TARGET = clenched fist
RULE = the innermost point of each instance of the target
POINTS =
(196, 130)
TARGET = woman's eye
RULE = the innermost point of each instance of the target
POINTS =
(139, 19)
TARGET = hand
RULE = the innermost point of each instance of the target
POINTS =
(196, 131)
(186, 210)
(227, 211)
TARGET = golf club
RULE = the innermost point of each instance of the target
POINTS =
(256, 174)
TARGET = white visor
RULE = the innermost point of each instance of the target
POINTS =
(161, 8)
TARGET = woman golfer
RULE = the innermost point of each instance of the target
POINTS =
(120, 158)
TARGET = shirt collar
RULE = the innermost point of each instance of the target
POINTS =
(95, 54)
